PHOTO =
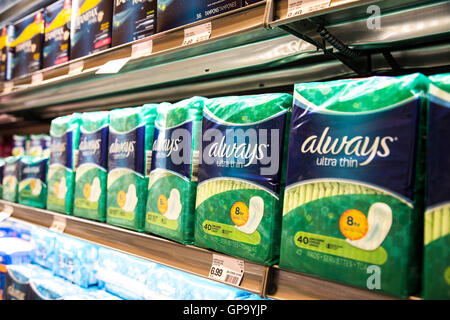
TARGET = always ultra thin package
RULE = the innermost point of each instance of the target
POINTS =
(436, 268)
(92, 169)
(353, 198)
(173, 178)
(65, 133)
(11, 177)
(129, 158)
(238, 208)
(33, 181)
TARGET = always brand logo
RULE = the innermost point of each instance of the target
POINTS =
(248, 153)
(360, 146)
(31, 170)
(166, 146)
(124, 147)
(57, 146)
(90, 145)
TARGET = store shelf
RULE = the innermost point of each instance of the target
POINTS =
(253, 49)
(271, 282)
(183, 257)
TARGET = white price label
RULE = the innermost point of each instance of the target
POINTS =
(36, 78)
(113, 66)
(59, 224)
(6, 213)
(196, 34)
(297, 7)
(141, 49)
(227, 270)
(8, 86)
(76, 67)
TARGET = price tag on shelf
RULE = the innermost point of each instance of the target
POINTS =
(196, 34)
(297, 7)
(76, 67)
(227, 270)
(8, 86)
(59, 224)
(36, 78)
(141, 49)
(6, 213)
(113, 66)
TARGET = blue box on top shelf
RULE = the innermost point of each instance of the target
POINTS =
(27, 44)
(57, 32)
(133, 20)
(6, 56)
(90, 27)
(175, 13)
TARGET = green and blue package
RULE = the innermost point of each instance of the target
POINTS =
(129, 158)
(92, 170)
(65, 135)
(173, 178)
(353, 201)
(33, 181)
(436, 268)
(11, 177)
(238, 207)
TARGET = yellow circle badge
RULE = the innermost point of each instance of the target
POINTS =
(162, 204)
(56, 188)
(87, 190)
(353, 224)
(121, 197)
(239, 213)
(33, 184)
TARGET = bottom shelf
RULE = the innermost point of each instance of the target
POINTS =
(269, 282)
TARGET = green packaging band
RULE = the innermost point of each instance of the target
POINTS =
(129, 158)
(238, 207)
(33, 183)
(172, 188)
(11, 177)
(436, 262)
(341, 219)
(65, 135)
(91, 172)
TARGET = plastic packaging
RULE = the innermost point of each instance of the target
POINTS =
(91, 172)
(129, 157)
(238, 208)
(354, 184)
(173, 178)
(65, 134)
(436, 269)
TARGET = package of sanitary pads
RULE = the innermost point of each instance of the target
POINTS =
(43, 242)
(92, 169)
(129, 158)
(173, 178)
(18, 277)
(75, 261)
(354, 186)
(33, 181)
(11, 178)
(436, 268)
(238, 207)
(65, 134)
